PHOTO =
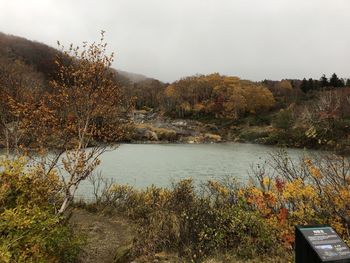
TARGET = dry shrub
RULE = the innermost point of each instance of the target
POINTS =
(255, 220)
(195, 224)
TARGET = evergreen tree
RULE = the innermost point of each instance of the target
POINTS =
(310, 84)
(334, 80)
(292, 82)
(316, 84)
(348, 82)
(304, 85)
(324, 81)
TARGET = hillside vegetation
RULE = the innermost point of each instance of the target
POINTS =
(299, 113)
(63, 102)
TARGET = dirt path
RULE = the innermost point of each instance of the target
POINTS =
(104, 235)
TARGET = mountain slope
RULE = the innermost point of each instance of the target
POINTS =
(41, 58)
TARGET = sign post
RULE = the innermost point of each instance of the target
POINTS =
(314, 244)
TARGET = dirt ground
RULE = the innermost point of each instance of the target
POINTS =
(104, 234)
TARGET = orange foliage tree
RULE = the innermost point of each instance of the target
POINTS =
(17, 81)
(83, 107)
(312, 191)
(224, 96)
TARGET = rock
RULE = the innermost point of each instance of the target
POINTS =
(123, 254)
(140, 116)
(187, 133)
(166, 134)
(145, 134)
(212, 127)
(208, 137)
(238, 139)
(180, 123)
(154, 127)
(202, 138)
(151, 135)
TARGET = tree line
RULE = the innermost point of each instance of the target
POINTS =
(333, 82)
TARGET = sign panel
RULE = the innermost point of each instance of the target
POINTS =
(326, 242)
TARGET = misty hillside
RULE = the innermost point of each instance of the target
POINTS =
(39, 58)
(133, 77)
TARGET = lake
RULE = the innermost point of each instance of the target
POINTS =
(141, 165)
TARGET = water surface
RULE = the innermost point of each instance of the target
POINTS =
(141, 165)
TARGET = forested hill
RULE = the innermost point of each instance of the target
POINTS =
(295, 112)
(38, 59)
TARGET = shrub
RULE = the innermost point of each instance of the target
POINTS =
(283, 119)
(165, 134)
(27, 187)
(196, 225)
(313, 191)
(36, 235)
(252, 221)
(253, 135)
(30, 231)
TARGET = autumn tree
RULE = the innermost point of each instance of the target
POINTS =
(34, 54)
(147, 93)
(313, 190)
(213, 94)
(189, 94)
(284, 92)
(83, 108)
(240, 96)
(284, 119)
(17, 81)
(326, 117)
(284, 87)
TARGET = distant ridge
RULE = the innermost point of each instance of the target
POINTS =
(133, 77)
(41, 56)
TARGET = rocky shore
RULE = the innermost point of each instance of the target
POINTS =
(151, 127)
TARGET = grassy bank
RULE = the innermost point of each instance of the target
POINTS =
(221, 221)
(229, 222)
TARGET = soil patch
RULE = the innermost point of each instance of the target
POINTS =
(104, 234)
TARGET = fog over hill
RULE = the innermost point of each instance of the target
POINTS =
(133, 77)
(167, 40)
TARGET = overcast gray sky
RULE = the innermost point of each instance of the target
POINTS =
(169, 39)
